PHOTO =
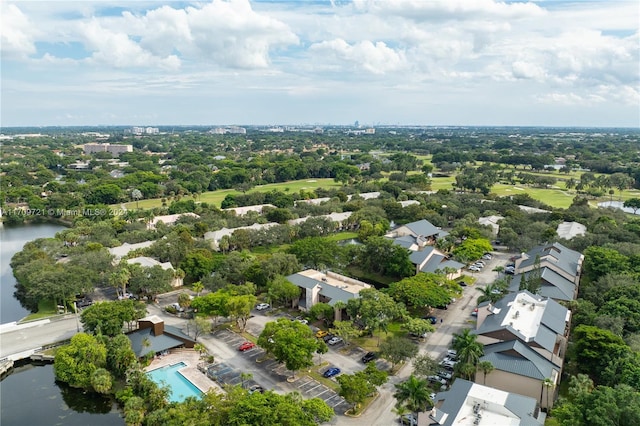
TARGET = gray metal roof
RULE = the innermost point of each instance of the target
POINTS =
(423, 227)
(517, 358)
(302, 281)
(406, 241)
(566, 259)
(417, 257)
(157, 343)
(553, 285)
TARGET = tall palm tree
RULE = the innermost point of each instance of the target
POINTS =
(468, 348)
(486, 367)
(491, 293)
(414, 393)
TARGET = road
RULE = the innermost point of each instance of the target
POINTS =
(22, 338)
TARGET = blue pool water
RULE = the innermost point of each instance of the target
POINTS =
(181, 388)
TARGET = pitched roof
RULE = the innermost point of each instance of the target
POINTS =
(553, 285)
(423, 227)
(515, 357)
(156, 343)
(417, 257)
(334, 286)
(406, 241)
(566, 259)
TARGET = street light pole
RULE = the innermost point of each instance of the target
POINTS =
(75, 307)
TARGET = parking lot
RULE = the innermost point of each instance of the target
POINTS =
(224, 373)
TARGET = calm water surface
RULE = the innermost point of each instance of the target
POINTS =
(12, 239)
(30, 396)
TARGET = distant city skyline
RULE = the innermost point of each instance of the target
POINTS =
(321, 62)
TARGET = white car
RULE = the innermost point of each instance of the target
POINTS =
(262, 306)
(335, 340)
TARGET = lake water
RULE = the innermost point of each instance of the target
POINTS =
(617, 205)
(12, 239)
(32, 397)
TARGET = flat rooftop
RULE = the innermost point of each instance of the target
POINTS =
(335, 280)
(525, 315)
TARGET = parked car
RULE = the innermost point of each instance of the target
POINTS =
(448, 363)
(331, 371)
(432, 396)
(246, 346)
(452, 354)
(328, 337)
(474, 268)
(369, 356)
(302, 320)
(256, 388)
(409, 419)
(262, 306)
(437, 379)
(321, 333)
(474, 313)
(431, 319)
(447, 375)
(487, 256)
(335, 340)
(462, 283)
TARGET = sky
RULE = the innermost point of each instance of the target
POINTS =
(320, 62)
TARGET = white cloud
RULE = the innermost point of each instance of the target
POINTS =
(17, 35)
(375, 58)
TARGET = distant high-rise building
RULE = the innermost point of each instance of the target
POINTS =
(356, 124)
(115, 150)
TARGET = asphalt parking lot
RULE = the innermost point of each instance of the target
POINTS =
(224, 373)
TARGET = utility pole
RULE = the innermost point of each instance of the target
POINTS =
(75, 307)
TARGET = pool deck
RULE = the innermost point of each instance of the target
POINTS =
(191, 372)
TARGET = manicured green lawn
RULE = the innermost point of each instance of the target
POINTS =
(370, 343)
(46, 308)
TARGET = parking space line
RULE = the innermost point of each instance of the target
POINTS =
(338, 403)
(317, 386)
(324, 391)
(303, 384)
(331, 397)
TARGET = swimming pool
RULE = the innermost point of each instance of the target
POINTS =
(181, 388)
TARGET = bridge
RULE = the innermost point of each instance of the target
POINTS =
(19, 341)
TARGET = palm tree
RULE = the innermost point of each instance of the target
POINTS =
(197, 287)
(549, 384)
(468, 348)
(486, 367)
(491, 293)
(400, 410)
(414, 393)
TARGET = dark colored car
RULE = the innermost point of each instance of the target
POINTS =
(431, 319)
(332, 371)
(256, 388)
(369, 356)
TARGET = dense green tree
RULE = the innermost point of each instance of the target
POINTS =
(198, 263)
(397, 349)
(468, 348)
(594, 349)
(283, 291)
(290, 342)
(76, 362)
(375, 309)
(239, 308)
(472, 249)
(345, 329)
(599, 261)
(421, 291)
(316, 252)
(108, 318)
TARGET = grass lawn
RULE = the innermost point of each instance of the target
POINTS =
(216, 197)
(341, 236)
(370, 343)
(46, 308)
(361, 408)
(370, 277)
